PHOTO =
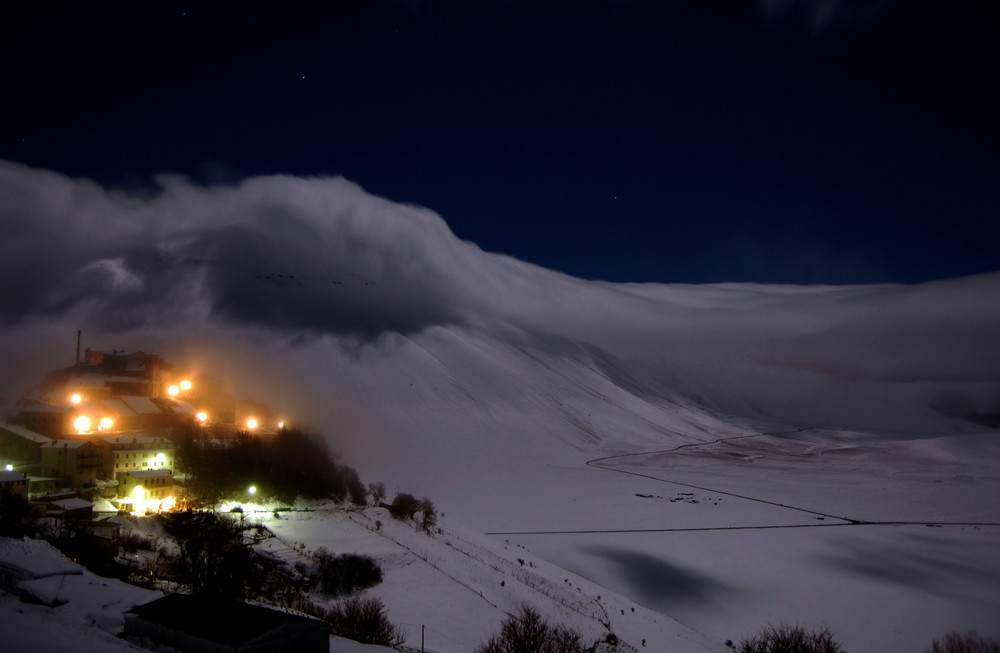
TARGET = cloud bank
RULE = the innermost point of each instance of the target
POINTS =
(294, 260)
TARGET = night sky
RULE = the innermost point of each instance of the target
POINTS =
(774, 141)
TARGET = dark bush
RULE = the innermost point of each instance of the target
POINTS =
(404, 506)
(790, 639)
(364, 620)
(528, 632)
(970, 642)
(345, 573)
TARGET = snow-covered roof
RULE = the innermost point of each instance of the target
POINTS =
(103, 505)
(118, 407)
(183, 407)
(65, 444)
(97, 600)
(72, 504)
(37, 557)
(48, 409)
(8, 477)
(150, 473)
(141, 405)
(24, 433)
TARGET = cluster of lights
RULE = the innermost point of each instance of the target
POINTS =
(140, 504)
(176, 389)
(84, 424)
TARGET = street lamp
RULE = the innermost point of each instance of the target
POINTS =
(82, 424)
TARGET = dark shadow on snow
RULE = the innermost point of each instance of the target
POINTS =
(658, 583)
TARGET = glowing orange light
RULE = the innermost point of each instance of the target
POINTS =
(281, 425)
(202, 416)
(106, 422)
(82, 424)
(185, 385)
(251, 423)
(173, 390)
(75, 399)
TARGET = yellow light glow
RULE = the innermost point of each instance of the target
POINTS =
(9, 467)
(106, 422)
(281, 425)
(185, 385)
(252, 490)
(138, 503)
(160, 460)
(251, 423)
(82, 424)
(75, 399)
(168, 504)
(173, 390)
(202, 416)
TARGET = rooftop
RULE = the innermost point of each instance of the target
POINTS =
(37, 557)
(24, 433)
(225, 622)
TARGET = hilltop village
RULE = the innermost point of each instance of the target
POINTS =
(115, 479)
(102, 435)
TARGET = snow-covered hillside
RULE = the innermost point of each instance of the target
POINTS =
(722, 456)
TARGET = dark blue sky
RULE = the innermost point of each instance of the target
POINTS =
(697, 141)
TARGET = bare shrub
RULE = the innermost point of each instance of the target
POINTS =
(790, 639)
(970, 642)
(529, 632)
(364, 620)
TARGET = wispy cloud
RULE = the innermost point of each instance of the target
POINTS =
(810, 19)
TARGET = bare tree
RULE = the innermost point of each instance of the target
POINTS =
(364, 620)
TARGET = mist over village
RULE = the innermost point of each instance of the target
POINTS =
(500, 327)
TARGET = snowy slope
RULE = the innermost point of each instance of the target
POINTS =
(584, 420)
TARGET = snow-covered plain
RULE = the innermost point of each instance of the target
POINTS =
(706, 459)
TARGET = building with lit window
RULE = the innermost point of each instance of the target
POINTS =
(76, 463)
(151, 490)
(14, 484)
(138, 454)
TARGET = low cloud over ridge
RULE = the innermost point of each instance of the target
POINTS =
(310, 255)
(301, 259)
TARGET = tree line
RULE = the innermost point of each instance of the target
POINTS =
(289, 465)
